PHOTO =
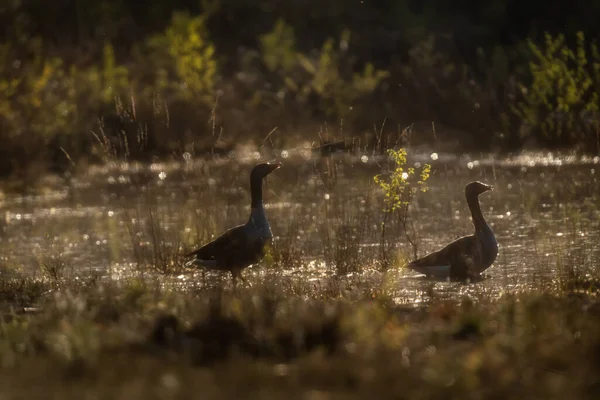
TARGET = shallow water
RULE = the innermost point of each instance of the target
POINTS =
(545, 211)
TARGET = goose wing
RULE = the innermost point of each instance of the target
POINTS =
(456, 258)
(233, 240)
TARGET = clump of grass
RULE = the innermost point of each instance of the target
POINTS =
(579, 268)
(156, 242)
(20, 292)
(537, 344)
(286, 252)
(584, 281)
(55, 267)
(343, 233)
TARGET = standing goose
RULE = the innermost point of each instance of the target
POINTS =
(467, 256)
(243, 245)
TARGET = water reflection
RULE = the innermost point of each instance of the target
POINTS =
(545, 209)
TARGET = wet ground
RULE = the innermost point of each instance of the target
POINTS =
(325, 215)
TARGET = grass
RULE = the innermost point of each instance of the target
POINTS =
(138, 337)
(345, 328)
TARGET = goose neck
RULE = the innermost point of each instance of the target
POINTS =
(256, 192)
(476, 214)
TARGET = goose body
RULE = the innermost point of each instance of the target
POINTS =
(468, 256)
(242, 245)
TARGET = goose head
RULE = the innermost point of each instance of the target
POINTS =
(263, 169)
(474, 189)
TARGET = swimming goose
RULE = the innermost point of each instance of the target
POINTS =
(243, 245)
(467, 256)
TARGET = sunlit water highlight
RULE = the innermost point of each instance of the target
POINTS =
(545, 211)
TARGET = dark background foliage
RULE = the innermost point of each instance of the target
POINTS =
(485, 74)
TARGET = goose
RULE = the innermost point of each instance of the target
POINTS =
(468, 256)
(242, 245)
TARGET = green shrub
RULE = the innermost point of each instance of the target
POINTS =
(49, 107)
(559, 103)
(39, 98)
(325, 80)
(182, 59)
(399, 191)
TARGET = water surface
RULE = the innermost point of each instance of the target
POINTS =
(325, 214)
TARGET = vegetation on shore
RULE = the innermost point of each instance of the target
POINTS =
(177, 78)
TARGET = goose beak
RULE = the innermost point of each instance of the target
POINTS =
(274, 166)
(490, 187)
